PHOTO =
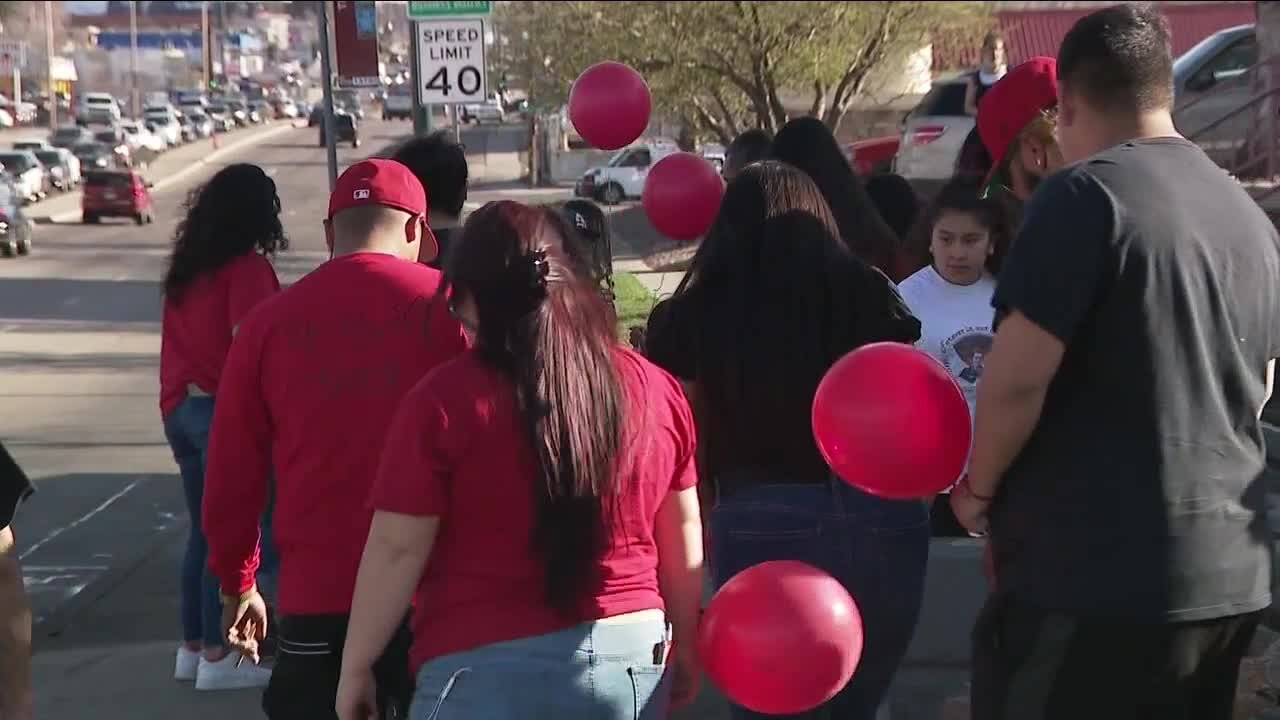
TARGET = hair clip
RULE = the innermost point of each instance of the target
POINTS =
(541, 268)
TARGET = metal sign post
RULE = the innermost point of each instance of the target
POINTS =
(326, 72)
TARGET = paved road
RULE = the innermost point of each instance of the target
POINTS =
(79, 322)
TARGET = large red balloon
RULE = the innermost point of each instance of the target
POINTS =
(682, 195)
(781, 637)
(609, 105)
(890, 420)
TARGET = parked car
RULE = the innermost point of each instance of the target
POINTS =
(116, 193)
(139, 138)
(260, 112)
(188, 129)
(238, 112)
(16, 229)
(113, 137)
(316, 116)
(398, 103)
(223, 120)
(873, 156)
(57, 163)
(99, 108)
(95, 156)
(27, 172)
(1211, 80)
(489, 112)
(201, 122)
(346, 128)
(68, 136)
(31, 145)
(163, 121)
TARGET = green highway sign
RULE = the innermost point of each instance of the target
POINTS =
(439, 10)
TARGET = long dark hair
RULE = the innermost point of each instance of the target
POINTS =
(774, 298)
(808, 144)
(591, 227)
(964, 195)
(543, 324)
(236, 212)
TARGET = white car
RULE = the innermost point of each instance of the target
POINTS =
(137, 137)
(624, 175)
(99, 108)
(27, 172)
(164, 123)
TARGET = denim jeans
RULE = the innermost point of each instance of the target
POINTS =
(877, 549)
(592, 671)
(187, 429)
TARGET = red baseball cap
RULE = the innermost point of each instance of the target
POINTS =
(378, 181)
(1015, 100)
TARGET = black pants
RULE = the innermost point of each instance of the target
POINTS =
(1029, 664)
(942, 519)
(304, 681)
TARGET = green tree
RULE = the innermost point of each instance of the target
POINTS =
(723, 65)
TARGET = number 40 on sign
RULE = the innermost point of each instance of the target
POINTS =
(451, 62)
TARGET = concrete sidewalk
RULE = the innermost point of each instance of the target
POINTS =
(115, 655)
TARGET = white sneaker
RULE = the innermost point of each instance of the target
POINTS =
(186, 664)
(224, 675)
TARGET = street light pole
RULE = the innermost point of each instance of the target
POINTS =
(133, 58)
(48, 54)
(326, 82)
(206, 47)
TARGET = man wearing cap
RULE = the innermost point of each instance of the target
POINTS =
(1016, 120)
(311, 382)
(1118, 457)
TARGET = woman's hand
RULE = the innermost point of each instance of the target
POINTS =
(357, 696)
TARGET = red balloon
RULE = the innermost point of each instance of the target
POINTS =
(780, 637)
(890, 420)
(682, 195)
(609, 105)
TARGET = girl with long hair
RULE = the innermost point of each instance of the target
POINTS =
(808, 145)
(964, 238)
(772, 299)
(219, 270)
(539, 494)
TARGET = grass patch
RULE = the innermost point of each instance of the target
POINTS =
(633, 301)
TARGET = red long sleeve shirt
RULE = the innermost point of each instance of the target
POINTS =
(311, 382)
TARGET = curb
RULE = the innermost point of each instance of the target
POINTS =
(191, 168)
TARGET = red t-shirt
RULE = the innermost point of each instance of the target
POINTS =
(458, 450)
(196, 333)
(310, 386)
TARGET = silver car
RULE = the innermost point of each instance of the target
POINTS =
(933, 134)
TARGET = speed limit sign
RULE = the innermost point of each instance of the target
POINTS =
(451, 62)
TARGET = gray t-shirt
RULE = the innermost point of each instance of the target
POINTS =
(1139, 495)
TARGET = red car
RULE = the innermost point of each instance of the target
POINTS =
(872, 156)
(116, 193)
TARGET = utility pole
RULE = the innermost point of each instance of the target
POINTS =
(48, 54)
(133, 58)
(206, 47)
(326, 80)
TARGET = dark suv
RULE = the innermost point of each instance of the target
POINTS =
(346, 129)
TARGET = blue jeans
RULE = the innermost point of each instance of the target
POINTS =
(877, 549)
(593, 671)
(187, 429)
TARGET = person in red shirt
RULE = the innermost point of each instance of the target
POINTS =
(539, 492)
(310, 386)
(218, 272)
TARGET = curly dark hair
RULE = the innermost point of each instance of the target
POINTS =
(964, 194)
(236, 212)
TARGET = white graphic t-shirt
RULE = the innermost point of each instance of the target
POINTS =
(955, 324)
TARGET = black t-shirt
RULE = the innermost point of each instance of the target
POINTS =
(14, 487)
(1139, 495)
